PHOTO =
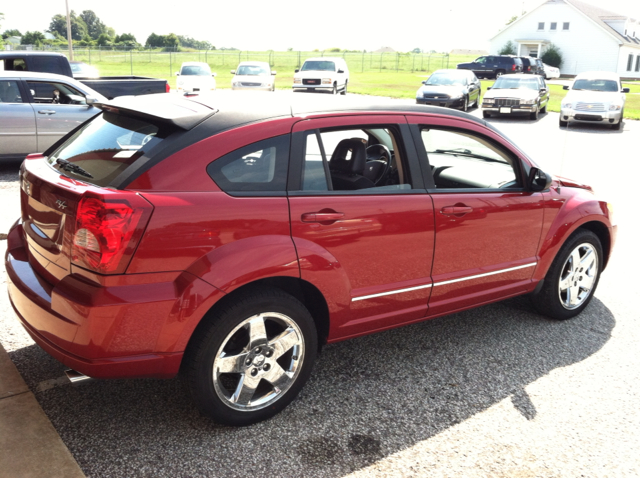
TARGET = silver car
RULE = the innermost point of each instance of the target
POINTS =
(37, 109)
(253, 75)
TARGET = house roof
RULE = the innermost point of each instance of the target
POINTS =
(599, 15)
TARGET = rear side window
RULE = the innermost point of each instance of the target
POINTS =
(106, 146)
(257, 169)
(49, 64)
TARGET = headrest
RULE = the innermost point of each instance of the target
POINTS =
(349, 157)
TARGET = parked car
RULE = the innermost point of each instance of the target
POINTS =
(516, 94)
(493, 66)
(550, 72)
(253, 75)
(195, 234)
(532, 66)
(594, 97)
(82, 70)
(37, 109)
(195, 77)
(322, 74)
(450, 88)
(56, 63)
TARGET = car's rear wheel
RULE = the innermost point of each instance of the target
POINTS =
(572, 278)
(251, 358)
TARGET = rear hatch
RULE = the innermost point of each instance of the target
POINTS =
(72, 211)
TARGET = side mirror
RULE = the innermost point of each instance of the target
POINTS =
(177, 73)
(565, 87)
(424, 82)
(233, 72)
(213, 74)
(340, 71)
(91, 100)
(489, 87)
(538, 180)
(625, 90)
(273, 72)
(296, 70)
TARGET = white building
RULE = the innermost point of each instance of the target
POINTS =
(588, 37)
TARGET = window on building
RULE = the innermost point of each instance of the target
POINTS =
(540, 25)
(553, 26)
(630, 62)
(638, 63)
(565, 26)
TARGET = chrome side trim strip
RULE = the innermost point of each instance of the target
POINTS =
(501, 271)
(399, 291)
(426, 286)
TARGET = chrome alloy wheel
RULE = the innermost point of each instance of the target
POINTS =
(578, 276)
(258, 361)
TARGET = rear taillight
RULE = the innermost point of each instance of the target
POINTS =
(513, 67)
(168, 88)
(108, 230)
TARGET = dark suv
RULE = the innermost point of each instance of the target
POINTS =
(532, 65)
(493, 66)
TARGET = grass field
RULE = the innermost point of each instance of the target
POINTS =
(390, 74)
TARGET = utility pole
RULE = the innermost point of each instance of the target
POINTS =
(69, 40)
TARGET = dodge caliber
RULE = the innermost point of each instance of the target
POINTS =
(228, 240)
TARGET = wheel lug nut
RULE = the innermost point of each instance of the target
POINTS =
(268, 353)
(254, 372)
(256, 350)
(266, 367)
(295, 357)
(247, 362)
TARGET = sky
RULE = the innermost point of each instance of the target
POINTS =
(403, 25)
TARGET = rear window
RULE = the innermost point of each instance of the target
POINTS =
(106, 146)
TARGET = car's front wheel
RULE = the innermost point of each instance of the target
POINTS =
(465, 104)
(344, 91)
(334, 91)
(251, 358)
(572, 278)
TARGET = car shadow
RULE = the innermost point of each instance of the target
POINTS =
(367, 398)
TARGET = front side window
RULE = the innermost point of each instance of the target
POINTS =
(259, 167)
(459, 160)
(55, 93)
(9, 92)
(368, 159)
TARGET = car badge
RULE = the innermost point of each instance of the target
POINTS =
(61, 204)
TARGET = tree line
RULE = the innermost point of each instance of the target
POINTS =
(88, 30)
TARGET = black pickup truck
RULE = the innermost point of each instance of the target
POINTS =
(109, 86)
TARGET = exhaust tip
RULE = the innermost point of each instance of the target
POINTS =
(76, 377)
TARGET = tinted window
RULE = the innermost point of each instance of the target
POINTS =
(55, 93)
(49, 64)
(259, 167)
(105, 147)
(9, 92)
(459, 160)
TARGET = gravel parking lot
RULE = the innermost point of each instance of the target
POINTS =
(497, 391)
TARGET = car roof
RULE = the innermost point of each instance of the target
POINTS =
(223, 110)
(249, 63)
(28, 53)
(194, 63)
(321, 58)
(453, 71)
(521, 75)
(33, 74)
(598, 75)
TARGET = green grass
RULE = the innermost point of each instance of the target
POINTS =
(391, 75)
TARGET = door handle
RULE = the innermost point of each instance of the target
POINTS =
(322, 216)
(47, 112)
(456, 210)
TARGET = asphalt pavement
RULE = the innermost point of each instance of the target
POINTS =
(495, 391)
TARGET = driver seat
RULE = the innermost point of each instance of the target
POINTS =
(347, 169)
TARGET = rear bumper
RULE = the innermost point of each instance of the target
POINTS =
(126, 326)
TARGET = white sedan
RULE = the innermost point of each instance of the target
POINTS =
(551, 72)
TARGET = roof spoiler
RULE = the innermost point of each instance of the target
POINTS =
(164, 108)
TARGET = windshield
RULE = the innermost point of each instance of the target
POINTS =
(596, 85)
(446, 80)
(505, 83)
(195, 70)
(252, 70)
(318, 65)
(105, 147)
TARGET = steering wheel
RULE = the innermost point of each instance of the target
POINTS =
(378, 162)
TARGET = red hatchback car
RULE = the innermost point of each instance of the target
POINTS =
(231, 239)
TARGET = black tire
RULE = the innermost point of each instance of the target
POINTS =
(486, 114)
(344, 92)
(465, 104)
(544, 110)
(550, 300)
(618, 125)
(499, 73)
(534, 114)
(562, 123)
(478, 99)
(334, 91)
(255, 358)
